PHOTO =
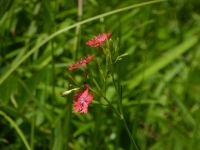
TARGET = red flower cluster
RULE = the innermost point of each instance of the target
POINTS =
(98, 40)
(82, 100)
(81, 62)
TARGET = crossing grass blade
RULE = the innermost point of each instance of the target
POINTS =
(18, 130)
(28, 54)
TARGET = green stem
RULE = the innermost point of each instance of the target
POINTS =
(129, 133)
(118, 113)
(121, 116)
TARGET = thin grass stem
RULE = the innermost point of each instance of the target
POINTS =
(18, 130)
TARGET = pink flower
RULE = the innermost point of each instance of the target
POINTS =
(98, 40)
(82, 100)
(81, 62)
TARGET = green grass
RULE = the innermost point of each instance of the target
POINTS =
(145, 81)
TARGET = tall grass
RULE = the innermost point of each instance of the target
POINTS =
(146, 85)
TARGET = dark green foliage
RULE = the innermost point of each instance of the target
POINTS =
(155, 59)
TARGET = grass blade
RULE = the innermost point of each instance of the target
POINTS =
(18, 130)
(163, 61)
(17, 64)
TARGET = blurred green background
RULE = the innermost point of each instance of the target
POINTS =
(160, 75)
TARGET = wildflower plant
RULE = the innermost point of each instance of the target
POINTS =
(155, 89)
(101, 78)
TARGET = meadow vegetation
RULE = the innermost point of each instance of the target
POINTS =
(144, 80)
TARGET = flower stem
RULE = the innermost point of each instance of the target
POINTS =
(129, 133)
(121, 116)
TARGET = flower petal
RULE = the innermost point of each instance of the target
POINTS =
(82, 100)
(81, 62)
(98, 40)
